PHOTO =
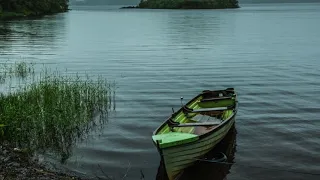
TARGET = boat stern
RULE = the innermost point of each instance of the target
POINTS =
(171, 139)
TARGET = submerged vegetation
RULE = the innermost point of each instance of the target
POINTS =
(52, 112)
(22, 8)
(188, 4)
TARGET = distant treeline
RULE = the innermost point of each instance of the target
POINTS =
(188, 4)
(135, 2)
(31, 7)
(104, 2)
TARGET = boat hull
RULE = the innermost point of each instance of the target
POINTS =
(177, 158)
(195, 129)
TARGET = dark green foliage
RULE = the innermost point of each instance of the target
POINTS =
(12, 8)
(189, 4)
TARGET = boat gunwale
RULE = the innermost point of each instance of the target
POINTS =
(221, 125)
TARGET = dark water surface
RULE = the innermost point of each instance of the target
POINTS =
(269, 53)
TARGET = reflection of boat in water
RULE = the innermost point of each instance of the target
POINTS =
(195, 129)
(206, 170)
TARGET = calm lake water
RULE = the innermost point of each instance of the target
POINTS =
(269, 53)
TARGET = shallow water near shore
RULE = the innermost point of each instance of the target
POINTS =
(268, 52)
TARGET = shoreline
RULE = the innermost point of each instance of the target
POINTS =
(17, 164)
(137, 7)
(7, 16)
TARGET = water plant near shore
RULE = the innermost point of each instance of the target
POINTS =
(51, 113)
(19, 69)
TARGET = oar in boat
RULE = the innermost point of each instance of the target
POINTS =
(189, 110)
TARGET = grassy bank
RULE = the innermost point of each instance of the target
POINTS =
(188, 4)
(10, 9)
(51, 112)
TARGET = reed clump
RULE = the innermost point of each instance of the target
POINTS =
(20, 69)
(53, 112)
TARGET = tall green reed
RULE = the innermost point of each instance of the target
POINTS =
(54, 111)
(19, 69)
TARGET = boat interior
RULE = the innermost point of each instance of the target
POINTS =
(203, 114)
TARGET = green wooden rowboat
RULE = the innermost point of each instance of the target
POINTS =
(195, 129)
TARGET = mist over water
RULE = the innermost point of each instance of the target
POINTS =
(269, 54)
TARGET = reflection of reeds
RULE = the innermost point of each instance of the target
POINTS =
(52, 113)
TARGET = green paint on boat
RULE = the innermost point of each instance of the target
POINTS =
(213, 104)
(195, 129)
(174, 138)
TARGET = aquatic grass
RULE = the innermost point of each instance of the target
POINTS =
(18, 70)
(22, 69)
(54, 112)
(1, 130)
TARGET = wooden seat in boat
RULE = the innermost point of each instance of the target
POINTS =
(189, 110)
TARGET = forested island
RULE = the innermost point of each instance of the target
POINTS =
(187, 4)
(22, 8)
